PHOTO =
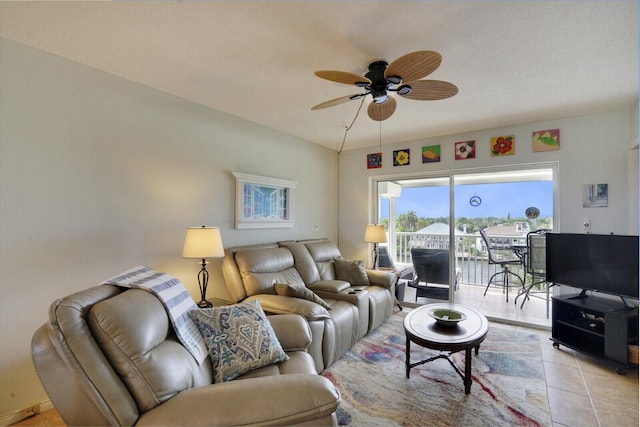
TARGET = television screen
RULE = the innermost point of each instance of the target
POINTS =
(600, 262)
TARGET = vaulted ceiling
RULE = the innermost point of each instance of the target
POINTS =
(512, 61)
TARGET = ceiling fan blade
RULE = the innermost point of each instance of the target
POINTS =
(431, 90)
(414, 66)
(337, 101)
(343, 77)
(380, 112)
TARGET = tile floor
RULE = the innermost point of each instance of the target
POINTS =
(582, 391)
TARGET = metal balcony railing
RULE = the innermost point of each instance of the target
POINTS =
(472, 258)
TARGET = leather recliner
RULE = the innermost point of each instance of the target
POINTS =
(250, 272)
(109, 356)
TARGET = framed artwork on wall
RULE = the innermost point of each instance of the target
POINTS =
(431, 154)
(401, 157)
(374, 160)
(263, 202)
(595, 195)
(465, 150)
(545, 140)
(503, 145)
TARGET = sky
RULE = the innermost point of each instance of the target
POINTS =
(499, 200)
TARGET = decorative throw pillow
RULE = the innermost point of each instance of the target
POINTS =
(288, 290)
(351, 271)
(239, 338)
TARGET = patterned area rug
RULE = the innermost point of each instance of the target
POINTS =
(508, 387)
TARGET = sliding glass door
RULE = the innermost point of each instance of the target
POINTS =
(433, 223)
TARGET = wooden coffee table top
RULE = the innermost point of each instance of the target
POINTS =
(423, 329)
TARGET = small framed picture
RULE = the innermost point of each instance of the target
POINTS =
(431, 154)
(503, 145)
(465, 150)
(545, 140)
(374, 160)
(595, 195)
(401, 157)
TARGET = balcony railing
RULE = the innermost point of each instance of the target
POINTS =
(472, 258)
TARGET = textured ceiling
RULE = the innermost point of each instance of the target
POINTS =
(513, 61)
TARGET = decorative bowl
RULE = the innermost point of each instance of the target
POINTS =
(447, 317)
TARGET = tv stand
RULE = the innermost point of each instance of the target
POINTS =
(594, 325)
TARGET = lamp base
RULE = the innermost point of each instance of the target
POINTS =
(205, 304)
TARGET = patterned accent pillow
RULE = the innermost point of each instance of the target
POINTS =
(288, 290)
(351, 271)
(239, 338)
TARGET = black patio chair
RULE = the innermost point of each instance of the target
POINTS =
(503, 256)
(535, 263)
(431, 273)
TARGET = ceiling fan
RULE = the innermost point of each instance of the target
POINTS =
(401, 76)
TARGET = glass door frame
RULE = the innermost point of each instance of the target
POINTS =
(450, 176)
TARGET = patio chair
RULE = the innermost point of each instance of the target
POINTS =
(503, 256)
(405, 273)
(535, 262)
(432, 273)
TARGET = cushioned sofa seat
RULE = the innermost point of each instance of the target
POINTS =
(109, 356)
(349, 312)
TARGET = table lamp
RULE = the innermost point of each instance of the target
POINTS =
(202, 243)
(375, 234)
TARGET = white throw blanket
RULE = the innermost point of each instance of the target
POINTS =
(176, 300)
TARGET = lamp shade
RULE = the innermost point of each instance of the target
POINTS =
(375, 234)
(203, 242)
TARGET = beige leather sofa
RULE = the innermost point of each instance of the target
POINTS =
(250, 272)
(109, 356)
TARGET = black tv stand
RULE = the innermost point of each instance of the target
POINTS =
(600, 327)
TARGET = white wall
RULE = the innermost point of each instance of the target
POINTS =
(593, 149)
(98, 174)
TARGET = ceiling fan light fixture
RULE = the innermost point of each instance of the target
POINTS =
(394, 80)
(404, 90)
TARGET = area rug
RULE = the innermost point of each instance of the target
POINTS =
(508, 387)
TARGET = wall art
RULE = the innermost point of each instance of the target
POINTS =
(545, 140)
(595, 195)
(374, 160)
(503, 145)
(431, 154)
(263, 202)
(465, 150)
(401, 157)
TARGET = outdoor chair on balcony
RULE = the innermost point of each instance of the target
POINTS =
(535, 262)
(503, 256)
(405, 273)
(431, 273)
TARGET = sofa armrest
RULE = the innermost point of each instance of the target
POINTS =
(385, 279)
(292, 331)
(295, 399)
(329, 286)
(279, 304)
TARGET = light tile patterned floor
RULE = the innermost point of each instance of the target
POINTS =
(582, 391)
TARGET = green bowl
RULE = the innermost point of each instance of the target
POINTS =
(447, 317)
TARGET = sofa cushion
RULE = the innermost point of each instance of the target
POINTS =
(239, 338)
(303, 292)
(351, 271)
(260, 269)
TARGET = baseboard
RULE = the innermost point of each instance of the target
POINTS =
(15, 417)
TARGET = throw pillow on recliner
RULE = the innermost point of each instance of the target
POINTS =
(239, 338)
(351, 271)
(288, 290)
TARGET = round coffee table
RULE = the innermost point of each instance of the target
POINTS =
(422, 329)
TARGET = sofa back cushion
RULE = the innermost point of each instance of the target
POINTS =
(135, 334)
(304, 262)
(323, 253)
(261, 268)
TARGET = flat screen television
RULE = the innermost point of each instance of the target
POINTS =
(599, 262)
